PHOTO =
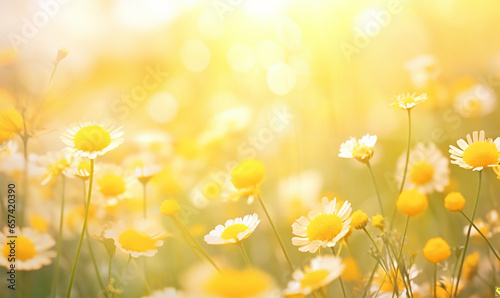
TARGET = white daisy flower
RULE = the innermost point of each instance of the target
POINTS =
(142, 239)
(477, 153)
(91, 139)
(361, 150)
(383, 283)
(114, 184)
(321, 271)
(31, 249)
(428, 169)
(324, 226)
(408, 101)
(233, 231)
(55, 164)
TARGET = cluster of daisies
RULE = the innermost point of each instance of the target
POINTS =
(323, 232)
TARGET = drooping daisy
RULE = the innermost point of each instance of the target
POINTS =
(428, 169)
(477, 153)
(324, 225)
(113, 184)
(31, 249)
(234, 230)
(321, 271)
(142, 239)
(166, 293)
(55, 164)
(92, 139)
(361, 150)
(489, 227)
(408, 101)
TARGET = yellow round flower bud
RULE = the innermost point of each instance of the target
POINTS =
(248, 173)
(436, 250)
(169, 207)
(454, 201)
(469, 271)
(378, 221)
(411, 202)
(359, 219)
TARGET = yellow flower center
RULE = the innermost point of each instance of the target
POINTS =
(39, 223)
(24, 250)
(111, 185)
(421, 172)
(362, 153)
(84, 166)
(133, 240)
(324, 227)
(92, 138)
(481, 154)
(313, 279)
(232, 231)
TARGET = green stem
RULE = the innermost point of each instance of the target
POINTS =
(59, 238)
(198, 246)
(141, 274)
(468, 234)
(84, 228)
(109, 271)
(98, 275)
(435, 280)
(379, 259)
(123, 272)
(275, 231)
(482, 235)
(340, 278)
(376, 188)
(245, 255)
(407, 152)
(370, 279)
(398, 260)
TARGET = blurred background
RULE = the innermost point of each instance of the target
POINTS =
(203, 85)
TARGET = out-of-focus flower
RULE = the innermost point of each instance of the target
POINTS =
(427, 168)
(477, 153)
(324, 226)
(166, 293)
(378, 221)
(423, 69)
(31, 249)
(80, 169)
(444, 287)
(248, 173)
(454, 201)
(361, 150)
(143, 166)
(233, 231)
(169, 207)
(114, 184)
(231, 121)
(297, 193)
(351, 270)
(140, 240)
(476, 101)
(411, 202)
(469, 269)
(436, 250)
(359, 219)
(39, 223)
(55, 164)
(92, 139)
(321, 271)
(74, 219)
(384, 283)
(11, 122)
(109, 244)
(489, 227)
(204, 282)
(408, 101)
(61, 54)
